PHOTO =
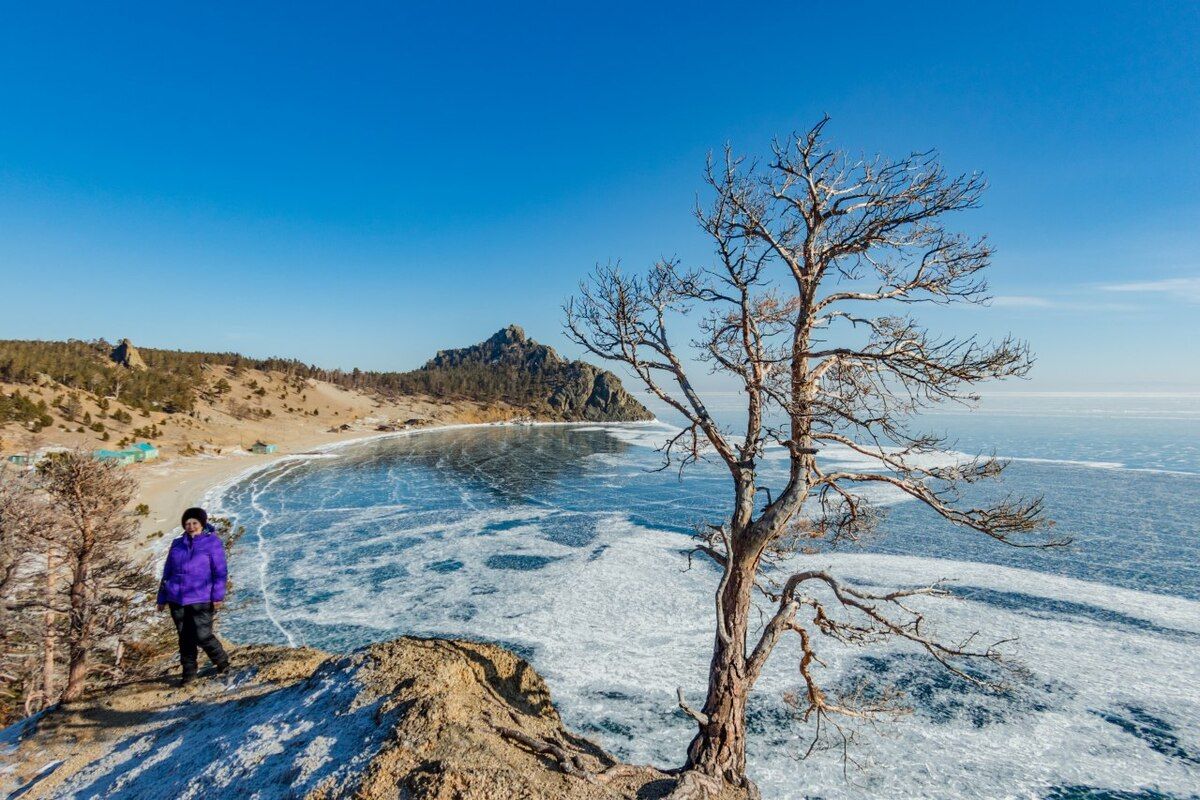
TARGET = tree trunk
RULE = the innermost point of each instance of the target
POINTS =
(79, 628)
(76, 675)
(48, 635)
(719, 749)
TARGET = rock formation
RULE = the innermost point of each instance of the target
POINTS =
(571, 390)
(425, 719)
(127, 355)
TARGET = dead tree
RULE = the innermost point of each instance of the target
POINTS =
(15, 510)
(96, 537)
(819, 260)
(27, 583)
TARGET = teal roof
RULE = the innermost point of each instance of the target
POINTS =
(145, 447)
(121, 456)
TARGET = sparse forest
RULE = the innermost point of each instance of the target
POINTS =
(165, 386)
(169, 382)
(173, 379)
(16, 407)
(481, 382)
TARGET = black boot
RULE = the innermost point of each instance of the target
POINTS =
(186, 678)
(223, 667)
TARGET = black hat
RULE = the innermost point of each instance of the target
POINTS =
(198, 514)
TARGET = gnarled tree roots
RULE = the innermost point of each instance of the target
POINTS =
(694, 785)
(572, 763)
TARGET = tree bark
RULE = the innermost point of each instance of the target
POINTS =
(48, 635)
(719, 748)
(77, 643)
(79, 627)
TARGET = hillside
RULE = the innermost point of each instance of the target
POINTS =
(96, 395)
(228, 414)
(412, 718)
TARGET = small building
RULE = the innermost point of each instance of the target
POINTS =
(263, 448)
(149, 452)
(20, 459)
(122, 457)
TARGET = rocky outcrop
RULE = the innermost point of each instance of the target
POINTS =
(127, 355)
(509, 346)
(569, 390)
(426, 719)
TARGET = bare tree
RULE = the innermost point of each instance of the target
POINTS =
(27, 587)
(805, 247)
(96, 536)
(14, 513)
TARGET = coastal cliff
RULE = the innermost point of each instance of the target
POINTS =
(411, 718)
(536, 375)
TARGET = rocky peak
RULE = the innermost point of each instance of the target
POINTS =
(508, 347)
(513, 334)
(575, 390)
(127, 355)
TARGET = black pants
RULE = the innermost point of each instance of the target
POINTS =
(194, 625)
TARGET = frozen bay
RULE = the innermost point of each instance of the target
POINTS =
(557, 541)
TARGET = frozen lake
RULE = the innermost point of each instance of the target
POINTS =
(557, 541)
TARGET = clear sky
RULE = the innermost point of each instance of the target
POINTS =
(360, 185)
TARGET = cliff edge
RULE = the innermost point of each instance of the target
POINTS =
(410, 718)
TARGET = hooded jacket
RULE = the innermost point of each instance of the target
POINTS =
(195, 570)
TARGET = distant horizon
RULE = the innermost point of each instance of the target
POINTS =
(999, 389)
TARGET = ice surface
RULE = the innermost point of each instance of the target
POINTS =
(560, 543)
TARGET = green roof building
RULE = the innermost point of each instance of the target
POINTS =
(122, 457)
(263, 447)
(149, 452)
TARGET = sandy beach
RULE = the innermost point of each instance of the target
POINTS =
(177, 482)
(170, 486)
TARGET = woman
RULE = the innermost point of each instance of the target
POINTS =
(193, 585)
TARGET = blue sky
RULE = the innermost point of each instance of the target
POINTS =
(360, 185)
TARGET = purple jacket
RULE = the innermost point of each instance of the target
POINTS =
(195, 570)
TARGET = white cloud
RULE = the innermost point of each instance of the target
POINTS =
(1021, 301)
(1073, 303)
(1184, 288)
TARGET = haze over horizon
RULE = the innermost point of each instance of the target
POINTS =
(367, 187)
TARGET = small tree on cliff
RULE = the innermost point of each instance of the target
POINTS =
(25, 598)
(805, 247)
(95, 538)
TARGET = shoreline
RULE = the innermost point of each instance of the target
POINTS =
(171, 486)
(207, 478)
